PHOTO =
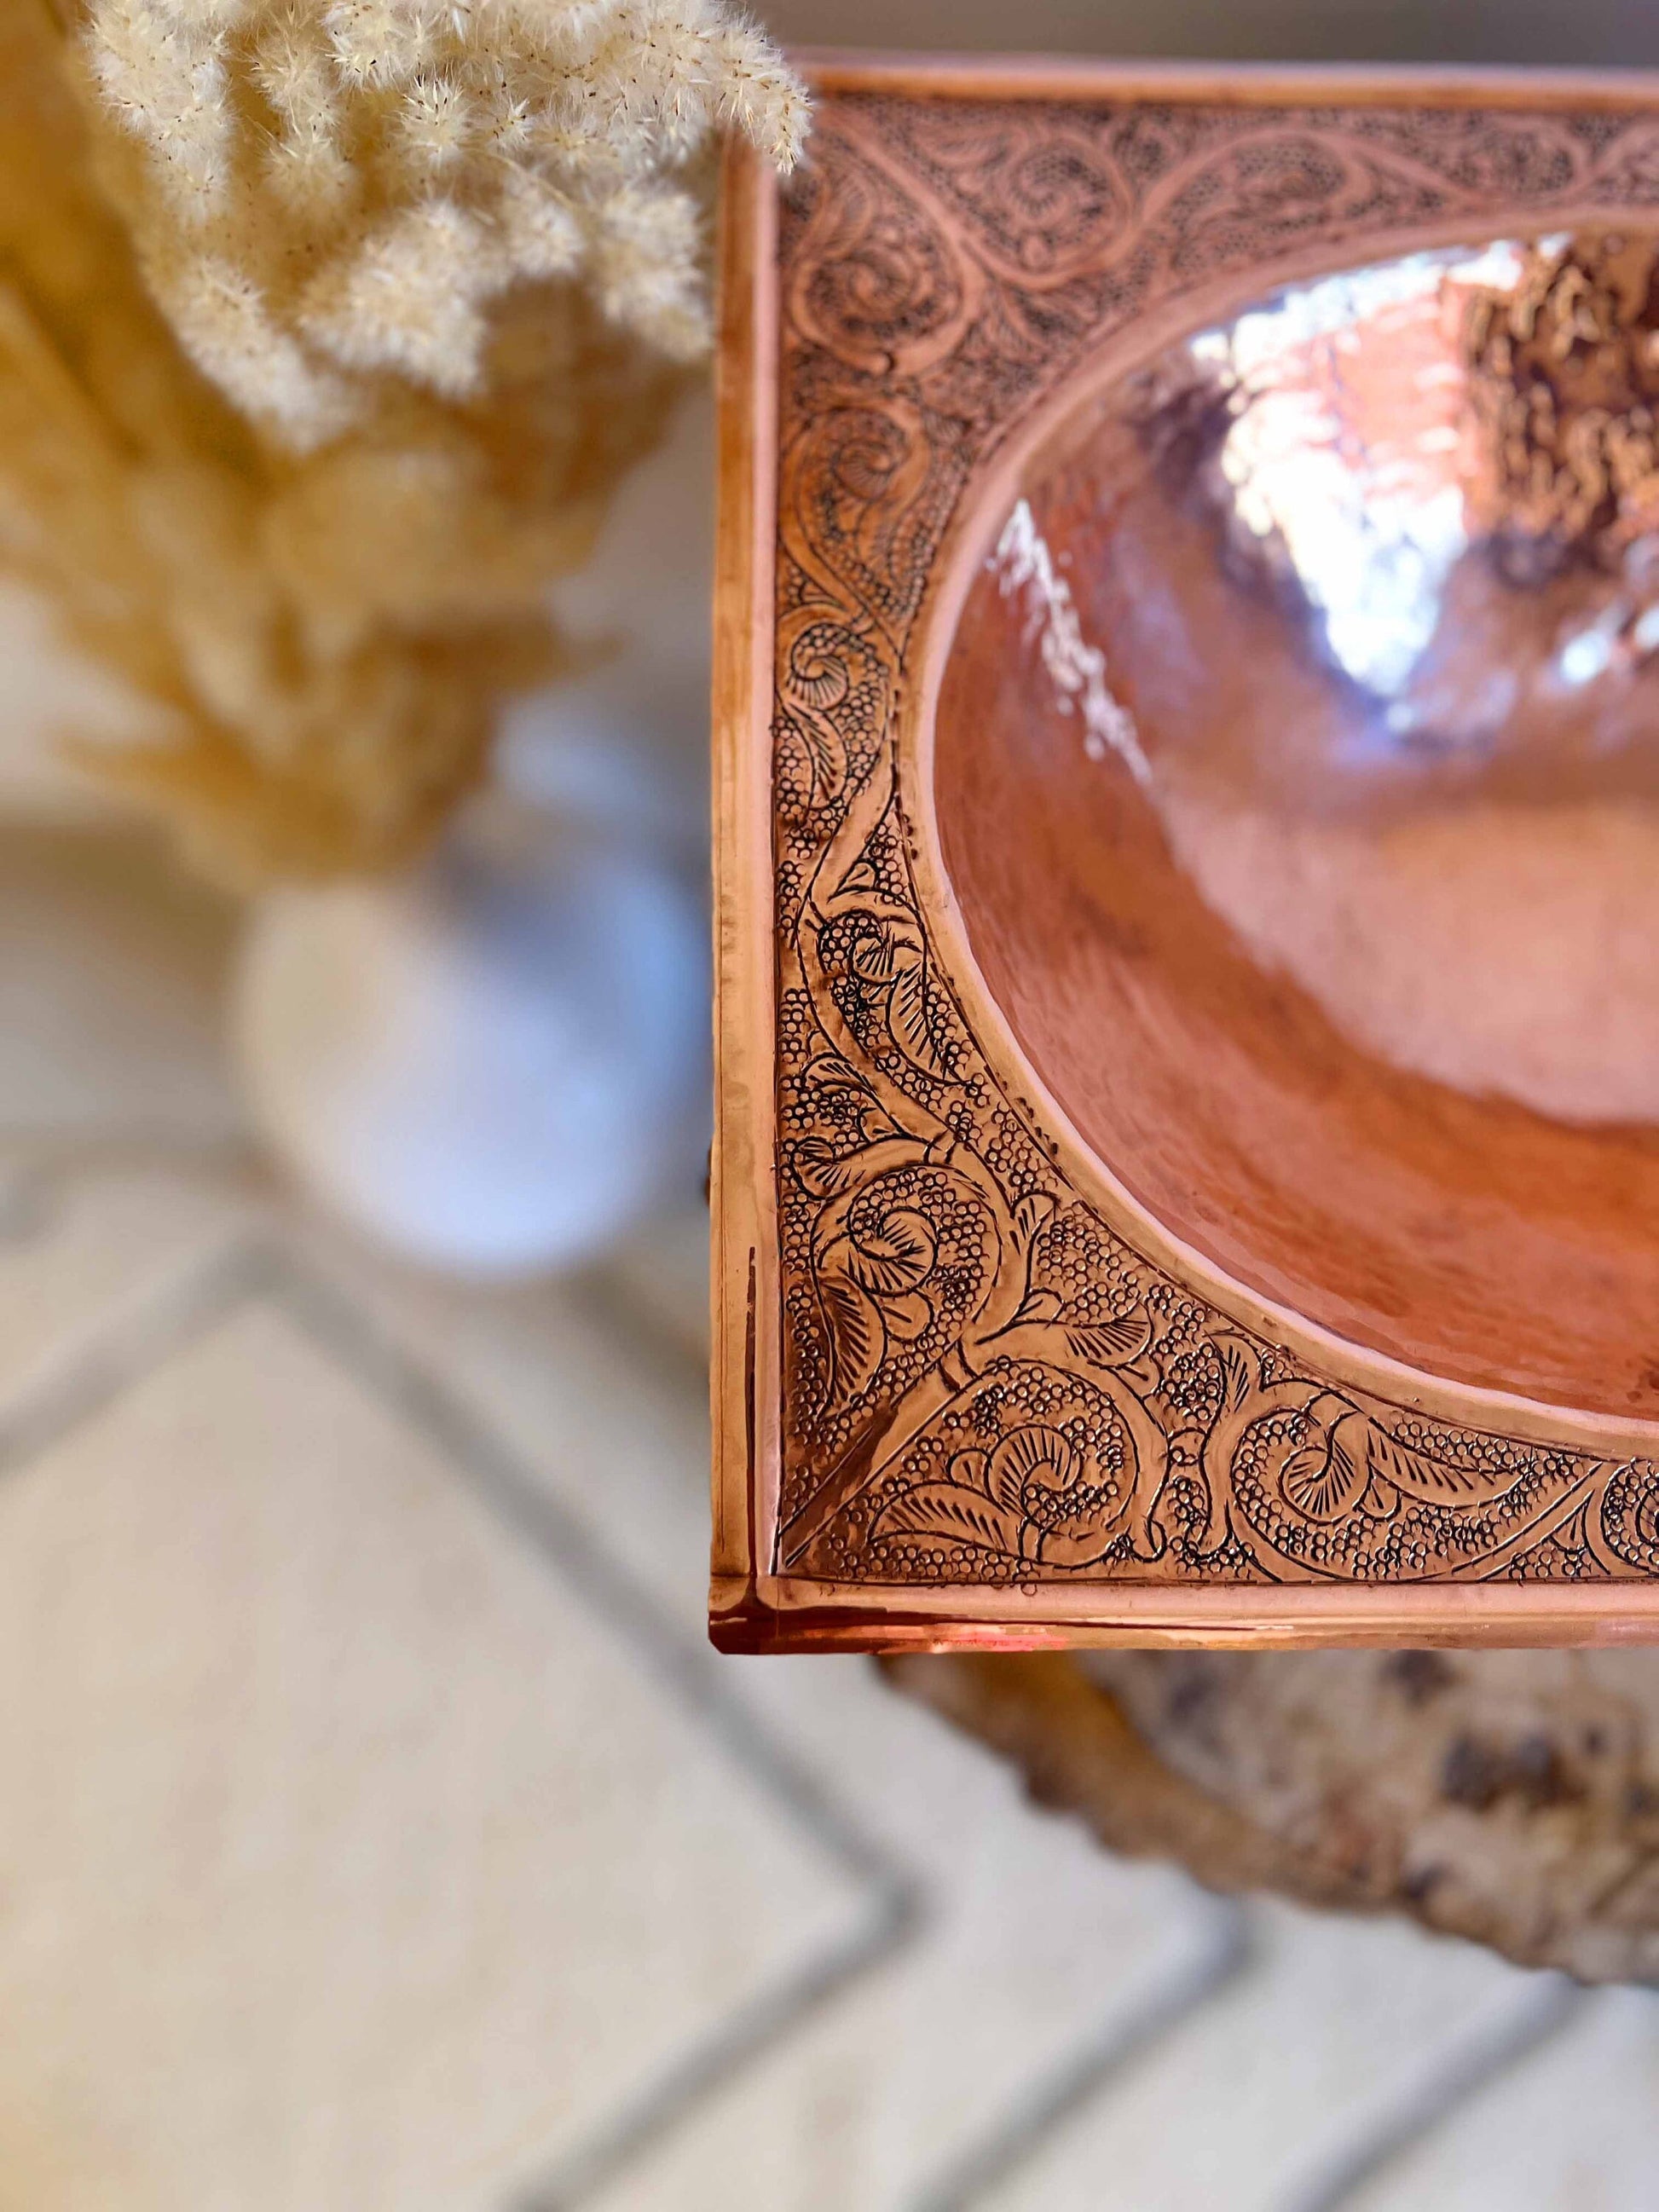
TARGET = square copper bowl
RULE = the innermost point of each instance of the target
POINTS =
(1067, 1290)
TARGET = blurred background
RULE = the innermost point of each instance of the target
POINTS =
(379, 1833)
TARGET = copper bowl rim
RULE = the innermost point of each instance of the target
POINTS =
(981, 510)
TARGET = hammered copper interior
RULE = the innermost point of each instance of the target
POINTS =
(1483, 622)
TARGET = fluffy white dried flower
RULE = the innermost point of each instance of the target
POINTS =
(646, 258)
(379, 42)
(757, 96)
(408, 301)
(435, 122)
(378, 174)
(541, 231)
(209, 14)
(226, 327)
(307, 166)
(290, 65)
(424, 271)
(165, 81)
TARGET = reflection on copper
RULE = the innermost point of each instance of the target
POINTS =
(1026, 571)
(1443, 474)
(1363, 585)
(1339, 450)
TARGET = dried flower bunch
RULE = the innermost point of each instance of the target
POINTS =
(336, 191)
(300, 413)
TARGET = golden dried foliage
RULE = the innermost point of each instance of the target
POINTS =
(296, 444)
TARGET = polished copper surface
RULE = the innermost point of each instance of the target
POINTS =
(1186, 841)
(1374, 558)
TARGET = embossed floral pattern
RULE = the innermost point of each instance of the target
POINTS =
(984, 1383)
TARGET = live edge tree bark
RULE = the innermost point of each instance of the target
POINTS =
(1508, 1796)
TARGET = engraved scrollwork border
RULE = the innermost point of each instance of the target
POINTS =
(998, 1396)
